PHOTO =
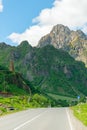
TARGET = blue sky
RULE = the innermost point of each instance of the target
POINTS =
(17, 15)
(31, 19)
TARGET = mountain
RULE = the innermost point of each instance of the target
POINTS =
(55, 71)
(74, 42)
(50, 70)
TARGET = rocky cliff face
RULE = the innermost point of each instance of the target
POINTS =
(74, 42)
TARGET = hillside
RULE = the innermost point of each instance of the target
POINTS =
(17, 94)
(12, 83)
(74, 42)
(50, 70)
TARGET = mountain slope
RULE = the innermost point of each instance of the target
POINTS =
(50, 70)
(74, 42)
(54, 71)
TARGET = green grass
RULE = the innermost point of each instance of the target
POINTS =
(56, 97)
(17, 102)
(80, 111)
(22, 102)
(62, 101)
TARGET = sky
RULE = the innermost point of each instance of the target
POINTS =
(31, 19)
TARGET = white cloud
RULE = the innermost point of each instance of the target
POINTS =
(71, 13)
(1, 6)
(67, 12)
(32, 35)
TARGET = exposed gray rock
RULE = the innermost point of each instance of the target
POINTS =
(74, 42)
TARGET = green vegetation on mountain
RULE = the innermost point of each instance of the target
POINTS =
(17, 94)
(51, 72)
(12, 83)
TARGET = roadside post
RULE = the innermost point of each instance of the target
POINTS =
(78, 97)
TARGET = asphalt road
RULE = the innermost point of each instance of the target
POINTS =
(37, 119)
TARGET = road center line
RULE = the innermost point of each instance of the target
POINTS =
(70, 124)
(29, 121)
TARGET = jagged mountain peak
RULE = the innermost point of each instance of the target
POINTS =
(74, 42)
(81, 34)
(60, 28)
(64, 29)
(60, 36)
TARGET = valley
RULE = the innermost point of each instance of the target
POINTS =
(49, 75)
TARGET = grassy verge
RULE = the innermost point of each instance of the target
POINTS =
(80, 111)
(18, 103)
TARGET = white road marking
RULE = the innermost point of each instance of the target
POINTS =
(70, 124)
(29, 121)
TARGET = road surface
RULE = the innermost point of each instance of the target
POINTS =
(37, 119)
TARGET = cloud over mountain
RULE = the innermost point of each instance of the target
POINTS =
(71, 13)
(32, 34)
